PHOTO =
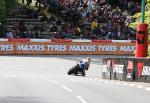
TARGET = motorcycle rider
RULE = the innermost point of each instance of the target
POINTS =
(85, 63)
(81, 66)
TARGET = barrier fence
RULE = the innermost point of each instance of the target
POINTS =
(127, 69)
(27, 46)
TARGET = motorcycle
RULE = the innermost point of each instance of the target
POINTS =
(76, 70)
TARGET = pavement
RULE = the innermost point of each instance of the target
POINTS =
(44, 79)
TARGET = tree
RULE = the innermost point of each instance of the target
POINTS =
(137, 16)
(2, 7)
(5, 6)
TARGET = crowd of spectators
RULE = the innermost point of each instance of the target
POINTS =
(82, 19)
(27, 29)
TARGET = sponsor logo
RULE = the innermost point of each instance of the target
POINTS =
(105, 68)
(127, 48)
(146, 70)
(109, 63)
(107, 48)
(130, 65)
(23, 47)
(82, 47)
(118, 68)
(57, 47)
(129, 75)
(6, 47)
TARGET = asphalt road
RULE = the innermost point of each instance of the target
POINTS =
(44, 79)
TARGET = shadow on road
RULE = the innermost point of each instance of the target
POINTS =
(22, 99)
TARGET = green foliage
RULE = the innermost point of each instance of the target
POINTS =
(2, 14)
(137, 16)
(10, 3)
(5, 6)
(2, 8)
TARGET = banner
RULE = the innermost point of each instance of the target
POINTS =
(105, 68)
(118, 68)
(140, 67)
(129, 69)
(66, 48)
(146, 70)
(109, 63)
(130, 65)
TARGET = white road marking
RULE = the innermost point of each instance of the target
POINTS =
(54, 82)
(43, 77)
(81, 99)
(95, 79)
(9, 76)
(111, 82)
(13, 76)
(74, 80)
(101, 80)
(147, 88)
(131, 85)
(90, 79)
(66, 88)
(65, 75)
(106, 81)
(139, 86)
(11, 73)
(118, 83)
(86, 78)
(125, 84)
(82, 78)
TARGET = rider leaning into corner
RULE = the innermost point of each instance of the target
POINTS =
(85, 63)
(80, 68)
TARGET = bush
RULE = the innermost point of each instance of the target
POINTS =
(5, 6)
(2, 8)
(137, 16)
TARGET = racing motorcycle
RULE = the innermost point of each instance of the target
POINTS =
(77, 71)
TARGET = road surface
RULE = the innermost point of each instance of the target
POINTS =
(44, 79)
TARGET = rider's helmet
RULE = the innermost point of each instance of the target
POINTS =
(89, 59)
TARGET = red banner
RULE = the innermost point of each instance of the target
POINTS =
(19, 40)
(61, 40)
(66, 48)
(130, 65)
(140, 67)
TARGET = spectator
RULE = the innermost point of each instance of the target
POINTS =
(97, 19)
(21, 26)
(77, 31)
(30, 34)
(38, 34)
(29, 2)
(9, 34)
(94, 25)
(44, 13)
(22, 1)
